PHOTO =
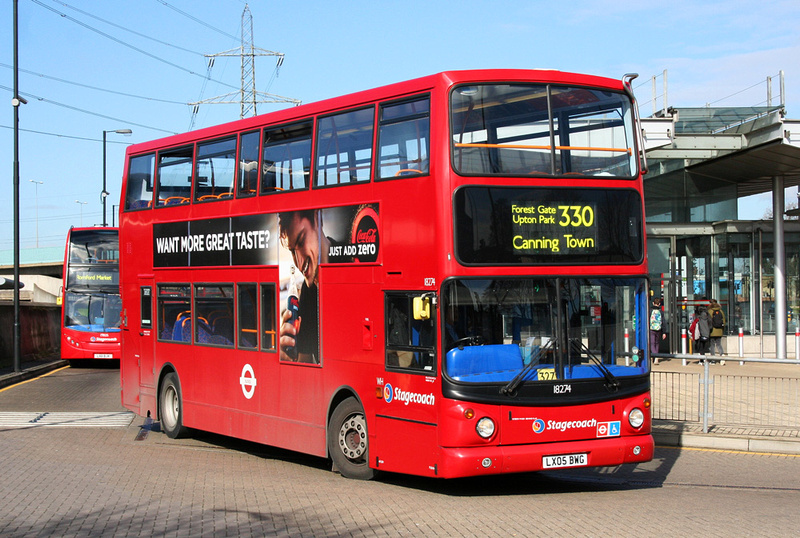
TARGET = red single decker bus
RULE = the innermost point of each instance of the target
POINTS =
(443, 277)
(90, 299)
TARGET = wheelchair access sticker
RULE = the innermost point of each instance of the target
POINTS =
(609, 429)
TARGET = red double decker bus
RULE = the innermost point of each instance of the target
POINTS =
(90, 297)
(442, 277)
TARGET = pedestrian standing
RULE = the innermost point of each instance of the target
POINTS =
(717, 317)
(703, 330)
(656, 328)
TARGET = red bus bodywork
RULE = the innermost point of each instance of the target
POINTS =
(416, 421)
(90, 295)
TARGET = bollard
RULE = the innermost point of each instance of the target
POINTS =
(684, 338)
(627, 340)
(741, 345)
(797, 342)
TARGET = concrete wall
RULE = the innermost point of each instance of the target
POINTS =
(40, 332)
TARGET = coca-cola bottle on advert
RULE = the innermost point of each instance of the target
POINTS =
(293, 306)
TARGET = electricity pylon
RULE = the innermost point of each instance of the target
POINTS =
(248, 96)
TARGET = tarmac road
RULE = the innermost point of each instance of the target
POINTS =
(75, 477)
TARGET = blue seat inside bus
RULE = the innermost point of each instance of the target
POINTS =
(182, 332)
(484, 363)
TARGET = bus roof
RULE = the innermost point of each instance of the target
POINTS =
(395, 90)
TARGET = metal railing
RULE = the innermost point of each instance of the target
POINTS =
(727, 399)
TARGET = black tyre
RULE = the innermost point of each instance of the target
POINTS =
(170, 407)
(348, 442)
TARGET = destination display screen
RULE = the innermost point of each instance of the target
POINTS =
(526, 226)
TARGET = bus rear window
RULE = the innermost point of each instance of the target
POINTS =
(541, 130)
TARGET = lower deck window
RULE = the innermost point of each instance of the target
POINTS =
(175, 313)
(213, 324)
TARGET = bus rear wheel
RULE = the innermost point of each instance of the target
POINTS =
(170, 407)
(348, 443)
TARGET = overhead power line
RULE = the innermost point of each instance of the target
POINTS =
(70, 107)
(128, 45)
(126, 29)
(87, 86)
(198, 21)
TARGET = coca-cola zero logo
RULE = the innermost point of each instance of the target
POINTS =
(365, 234)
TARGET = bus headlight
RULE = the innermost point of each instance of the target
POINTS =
(485, 427)
(636, 418)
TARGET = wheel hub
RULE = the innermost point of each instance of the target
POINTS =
(353, 437)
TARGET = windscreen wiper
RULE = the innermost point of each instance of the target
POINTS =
(509, 388)
(612, 383)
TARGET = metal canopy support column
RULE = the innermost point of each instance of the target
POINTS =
(780, 266)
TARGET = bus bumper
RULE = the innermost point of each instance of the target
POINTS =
(476, 461)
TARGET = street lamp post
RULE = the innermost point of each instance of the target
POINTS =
(81, 204)
(104, 192)
(36, 184)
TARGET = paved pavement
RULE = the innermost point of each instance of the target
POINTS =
(665, 432)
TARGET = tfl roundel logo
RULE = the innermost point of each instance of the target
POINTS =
(388, 393)
(538, 425)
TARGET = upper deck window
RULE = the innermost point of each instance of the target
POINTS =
(139, 194)
(344, 147)
(248, 164)
(216, 166)
(404, 138)
(175, 176)
(521, 130)
(287, 158)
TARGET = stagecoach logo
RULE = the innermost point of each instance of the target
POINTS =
(391, 394)
(248, 381)
(538, 425)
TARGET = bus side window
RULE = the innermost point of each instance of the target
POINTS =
(175, 176)
(174, 312)
(214, 170)
(269, 326)
(344, 148)
(404, 139)
(286, 160)
(247, 181)
(247, 316)
(139, 190)
(213, 319)
(146, 320)
(409, 342)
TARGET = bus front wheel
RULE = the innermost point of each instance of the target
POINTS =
(170, 406)
(348, 442)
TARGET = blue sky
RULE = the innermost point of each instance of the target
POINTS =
(139, 62)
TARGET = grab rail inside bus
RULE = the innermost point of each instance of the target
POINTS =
(627, 151)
